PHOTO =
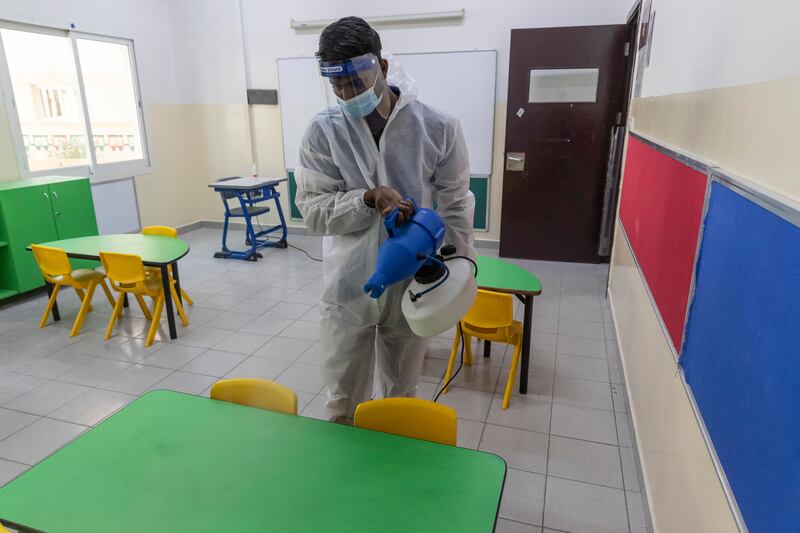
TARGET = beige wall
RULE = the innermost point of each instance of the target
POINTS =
(9, 169)
(750, 130)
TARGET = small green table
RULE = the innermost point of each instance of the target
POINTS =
(176, 462)
(503, 276)
(155, 250)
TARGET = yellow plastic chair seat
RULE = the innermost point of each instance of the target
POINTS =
(409, 417)
(259, 393)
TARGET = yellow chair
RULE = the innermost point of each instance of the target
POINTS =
(164, 231)
(256, 393)
(126, 274)
(57, 270)
(409, 417)
(491, 318)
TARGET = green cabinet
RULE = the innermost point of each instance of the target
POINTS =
(40, 210)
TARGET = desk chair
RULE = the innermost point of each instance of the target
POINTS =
(490, 319)
(163, 231)
(409, 417)
(57, 270)
(126, 274)
(256, 393)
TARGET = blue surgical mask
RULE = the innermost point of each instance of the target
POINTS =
(361, 105)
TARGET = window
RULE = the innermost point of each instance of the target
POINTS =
(69, 88)
(549, 86)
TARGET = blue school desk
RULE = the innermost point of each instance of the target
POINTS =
(252, 194)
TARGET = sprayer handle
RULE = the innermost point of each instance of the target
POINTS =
(391, 219)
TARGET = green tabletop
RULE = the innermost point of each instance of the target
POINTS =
(503, 276)
(176, 462)
(154, 250)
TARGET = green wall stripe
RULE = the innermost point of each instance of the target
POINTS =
(478, 185)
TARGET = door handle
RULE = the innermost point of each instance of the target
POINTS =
(515, 161)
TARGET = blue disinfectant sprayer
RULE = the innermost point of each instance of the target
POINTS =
(443, 288)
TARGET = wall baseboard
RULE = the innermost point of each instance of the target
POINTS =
(297, 230)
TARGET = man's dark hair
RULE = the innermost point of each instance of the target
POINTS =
(348, 37)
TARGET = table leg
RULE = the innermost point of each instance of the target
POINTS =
(487, 348)
(125, 299)
(56, 314)
(173, 333)
(526, 344)
(177, 279)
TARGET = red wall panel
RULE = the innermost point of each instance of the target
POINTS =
(661, 210)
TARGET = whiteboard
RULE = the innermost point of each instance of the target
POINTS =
(462, 84)
(115, 206)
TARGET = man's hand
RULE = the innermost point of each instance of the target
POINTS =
(384, 199)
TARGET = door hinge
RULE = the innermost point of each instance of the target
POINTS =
(619, 118)
(627, 49)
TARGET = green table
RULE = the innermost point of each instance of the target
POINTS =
(503, 276)
(176, 462)
(156, 251)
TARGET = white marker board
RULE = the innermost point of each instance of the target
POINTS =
(461, 84)
(115, 206)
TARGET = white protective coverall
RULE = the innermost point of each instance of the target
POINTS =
(422, 155)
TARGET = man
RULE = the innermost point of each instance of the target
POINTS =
(358, 161)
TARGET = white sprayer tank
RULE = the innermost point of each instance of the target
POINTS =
(442, 308)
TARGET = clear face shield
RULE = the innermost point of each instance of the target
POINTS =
(357, 86)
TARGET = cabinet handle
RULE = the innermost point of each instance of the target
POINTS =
(45, 195)
(55, 194)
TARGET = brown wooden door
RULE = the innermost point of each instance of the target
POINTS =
(565, 95)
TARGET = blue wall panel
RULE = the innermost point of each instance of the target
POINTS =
(742, 355)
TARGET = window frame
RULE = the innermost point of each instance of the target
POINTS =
(96, 172)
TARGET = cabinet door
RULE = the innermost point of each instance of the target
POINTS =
(28, 216)
(73, 211)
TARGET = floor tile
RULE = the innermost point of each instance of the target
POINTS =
(131, 351)
(582, 508)
(523, 497)
(583, 423)
(545, 324)
(92, 343)
(35, 442)
(543, 342)
(477, 377)
(302, 330)
(315, 355)
(540, 386)
(636, 516)
(580, 328)
(185, 382)
(253, 307)
(213, 363)
(523, 450)
(94, 372)
(231, 320)
(283, 348)
(259, 367)
(523, 413)
(576, 366)
(242, 343)
(468, 404)
(614, 371)
(581, 346)
(618, 399)
(469, 434)
(585, 461)
(303, 399)
(623, 429)
(583, 392)
(46, 398)
(219, 302)
(629, 469)
(92, 406)
(13, 421)
(204, 337)
(173, 356)
(288, 310)
(541, 362)
(265, 325)
(302, 377)
(303, 296)
(316, 408)
(136, 379)
(10, 470)
(569, 311)
(509, 526)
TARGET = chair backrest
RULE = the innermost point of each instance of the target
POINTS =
(125, 269)
(491, 310)
(410, 417)
(162, 231)
(256, 393)
(53, 262)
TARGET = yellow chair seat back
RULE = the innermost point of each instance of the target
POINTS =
(163, 231)
(491, 311)
(53, 262)
(256, 393)
(123, 270)
(410, 417)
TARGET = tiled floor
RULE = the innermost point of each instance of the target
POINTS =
(567, 442)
